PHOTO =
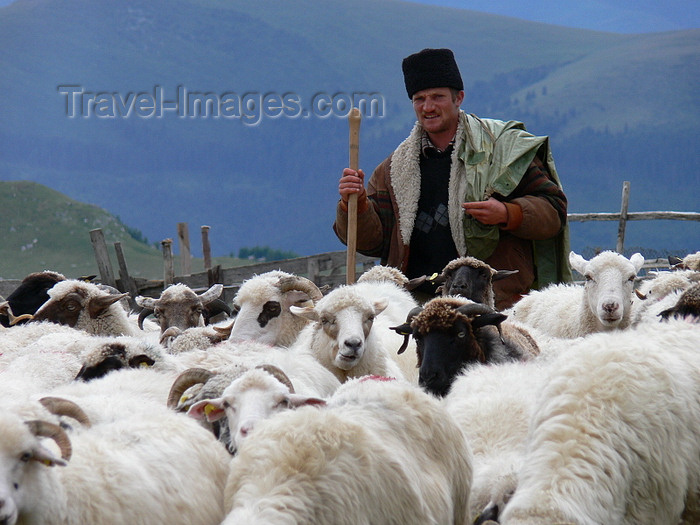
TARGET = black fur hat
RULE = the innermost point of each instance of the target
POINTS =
(431, 68)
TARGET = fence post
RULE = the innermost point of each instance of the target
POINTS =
(183, 234)
(128, 284)
(206, 247)
(623, 217)
(169, 271)
(104, 265)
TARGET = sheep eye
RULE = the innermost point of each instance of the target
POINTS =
(283, 404)
(461, 334)
(72, 306)
(25, 457)
(325, 321)
(631, 279)
(589, 277)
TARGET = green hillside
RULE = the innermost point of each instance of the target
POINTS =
(45, 230)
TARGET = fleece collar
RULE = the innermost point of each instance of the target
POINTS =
(405, 180)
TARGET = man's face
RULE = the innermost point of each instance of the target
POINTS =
(436, 109)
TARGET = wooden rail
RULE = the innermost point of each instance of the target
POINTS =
(325, 269)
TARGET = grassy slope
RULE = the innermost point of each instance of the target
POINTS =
(45, 230)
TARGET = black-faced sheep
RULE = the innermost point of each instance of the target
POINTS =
(31, 294)
(471, 278)
(452, 332)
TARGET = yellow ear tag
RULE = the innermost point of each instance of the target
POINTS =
(144, 364)
(433, 277)
(47, 462)
(184, 398)
(209, 409)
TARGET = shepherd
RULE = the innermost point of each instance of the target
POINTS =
(460, 185)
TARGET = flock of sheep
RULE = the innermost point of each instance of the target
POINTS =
(579, 405)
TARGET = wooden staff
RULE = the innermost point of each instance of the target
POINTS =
(354, 121)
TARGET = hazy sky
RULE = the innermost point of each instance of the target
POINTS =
(618, 16)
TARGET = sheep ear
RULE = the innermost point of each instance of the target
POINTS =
(578, 263)
(208, 409)
(380, 305)
(297, 400)
(307, 312)
(502, 274)
(637, 260)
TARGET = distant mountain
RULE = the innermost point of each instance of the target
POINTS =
(89, 91)
(616, 16)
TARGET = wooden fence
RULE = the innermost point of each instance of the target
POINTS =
(325, 269)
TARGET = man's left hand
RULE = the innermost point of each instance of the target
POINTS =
(491, 211)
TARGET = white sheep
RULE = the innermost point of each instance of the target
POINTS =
(162, 469)
(179, 308)
(85, 306)
(569, 310)
(614, 432)
(381, 452)
(262, 304)
(689, 262)
(351, 331)
(492, 405)
(214, 377)
(255, 395)
(660, 292)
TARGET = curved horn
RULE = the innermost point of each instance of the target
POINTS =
(475, 309)
(224, 330)
(142, 316)
(65, 407)
(639, 294)
(191, 376)
(45, 429)
(296, 282)
(215, 307)
(405, 328)
(278, 374)
(212, 293)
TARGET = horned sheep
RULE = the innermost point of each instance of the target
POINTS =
(179, 308)
(262, 305)
(603, 303)
(85, 306)
(453, 332)
(161, 469)
(381, 451)
(660, 291)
